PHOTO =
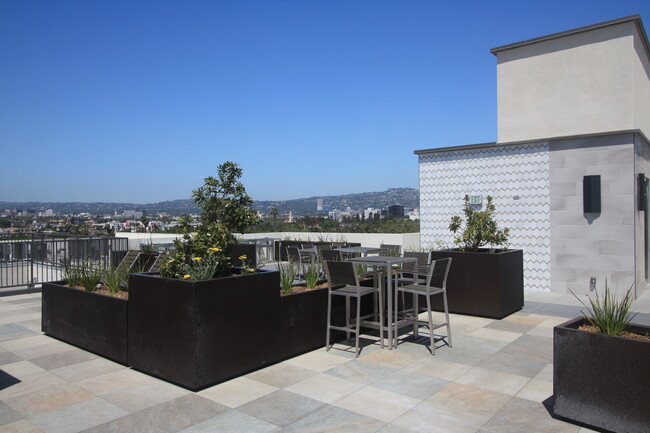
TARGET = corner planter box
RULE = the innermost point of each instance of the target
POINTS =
(303, 321)
(601, 380)
(93, 322)
(483, 283)
(196, 334)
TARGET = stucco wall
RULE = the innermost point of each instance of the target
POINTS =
(581, 83)
(592, 245)
(642, 165)
(516, 176)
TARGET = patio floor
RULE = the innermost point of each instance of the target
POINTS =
(494, 379)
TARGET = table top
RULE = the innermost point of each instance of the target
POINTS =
(357, 249)
(385, 260)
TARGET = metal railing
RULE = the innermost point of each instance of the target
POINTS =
(30, 259)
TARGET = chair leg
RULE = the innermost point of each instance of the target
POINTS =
(444, 297)
(348, 322)
(358, 328)
(416, 311)
(329, 322)
(381, 319)
(433, 343)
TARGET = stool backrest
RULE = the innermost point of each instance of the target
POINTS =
(422, 258)
(330, 255)
(293, 254)
(391, 250)
(341, 273)
(438, 273)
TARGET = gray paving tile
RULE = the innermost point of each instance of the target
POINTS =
(78, 417)
(281, 408)
(12, 331)
(181, 413)
(462, 355)
(129, 423)
(501, 325)
(232, 421)
(507, 363)
(412, 385)
(520, 415)
(361, 372)
(9, 358)
(333, 419)
(63, 359)
(8, 415)
(281, 375)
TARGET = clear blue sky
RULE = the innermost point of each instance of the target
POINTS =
(140, 100)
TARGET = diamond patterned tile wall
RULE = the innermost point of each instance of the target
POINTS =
(516, 176)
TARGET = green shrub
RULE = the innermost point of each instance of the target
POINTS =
(480, 228)
(115, 278)
(91, 277)
(288, 274)
(72, 274)
(609, 315)
(312, 274)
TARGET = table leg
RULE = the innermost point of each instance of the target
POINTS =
(389, 296)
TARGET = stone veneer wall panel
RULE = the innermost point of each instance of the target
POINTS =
(592, 245)
(504, 172)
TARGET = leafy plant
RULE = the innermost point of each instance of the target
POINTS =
(115, 278)
(200, 268)
(226, 208)
(245, 267)
(147, 247)
(609, 315)
(312, 274)
(288, 274)
(90, 277)
(72, 274)
(480, 228)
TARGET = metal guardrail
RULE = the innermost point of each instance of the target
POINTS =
(26, 260)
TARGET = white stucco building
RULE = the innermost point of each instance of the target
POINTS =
(570, 105)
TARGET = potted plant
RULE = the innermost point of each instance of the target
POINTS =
(88, 309)
(482, 281)
(600, 364)
(202, 321)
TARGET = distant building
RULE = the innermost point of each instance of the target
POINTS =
(335, 215)
(132, 213)
(319, 204)
(327, 207)
(396, 210)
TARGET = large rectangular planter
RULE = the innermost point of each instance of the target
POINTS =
(601, 380)
(196, 334)
(90, 321)
(483, 283)
(303, 322)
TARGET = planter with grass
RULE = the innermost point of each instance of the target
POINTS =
(91, 321)
(601, 379)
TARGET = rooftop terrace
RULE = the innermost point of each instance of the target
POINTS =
(497, 378)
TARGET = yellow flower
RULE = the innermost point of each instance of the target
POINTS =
(197, 259)
(215, 249)
(186, 276)
(242, 257)
(251, 270)
(171, 260)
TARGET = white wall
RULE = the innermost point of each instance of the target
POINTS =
(408, 241)
(582, 83)
(592, 245)
(505, 173)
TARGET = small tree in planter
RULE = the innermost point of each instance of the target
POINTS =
(482, 284)
(200, 324)
(480, 227)
(226, 209)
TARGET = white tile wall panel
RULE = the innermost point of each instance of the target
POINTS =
(502, 172)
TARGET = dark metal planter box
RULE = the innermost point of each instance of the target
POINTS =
(196, 334)
(601, 380)
(91, 321)
(482, 283)
(304, 319)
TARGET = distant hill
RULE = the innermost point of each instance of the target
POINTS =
(407, 197)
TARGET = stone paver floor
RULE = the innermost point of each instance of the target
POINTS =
(494, 380)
